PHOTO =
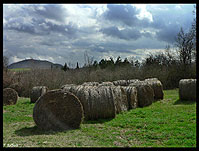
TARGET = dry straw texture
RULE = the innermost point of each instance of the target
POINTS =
(106, 84)
(121, 83)
(10, 96)
(132, 81)
(58, 110)
(37, 92)
(90, 84)
(104, 101)
(119, 96)
(145, 93)
(96, 100)
(131, 93)
(157, 87)
(187, 89)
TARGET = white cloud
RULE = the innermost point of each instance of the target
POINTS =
(143, 12)
(15, 59)
(178, 7)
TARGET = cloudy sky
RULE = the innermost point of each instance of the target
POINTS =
(66, 32)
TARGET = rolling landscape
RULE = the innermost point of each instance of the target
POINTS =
(33, 63)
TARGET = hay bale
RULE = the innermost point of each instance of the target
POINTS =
(145, 93)
(121, 83)
(106, 84)
(17, 87)
(119, 96)
(96, 100)
(90, 84)
(132, 81)
(36, 92)
(157, 87)
(58, 110)
(10, 96)
(187, 89)
(67, 85)
(131, 93)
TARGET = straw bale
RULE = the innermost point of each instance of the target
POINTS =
(187, 89)
(58, 110)
(10, 96)
(145, 93)
(157, 87)
(36, 92)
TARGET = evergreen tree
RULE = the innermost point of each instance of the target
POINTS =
(77, 67)
(95, 64)
(65, 67)
(118, 61)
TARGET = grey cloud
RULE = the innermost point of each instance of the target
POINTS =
(98, 49)
(126, 34)
(55, 11)
(41, 27)
(168, 34)
(166, 14)
(122, 13)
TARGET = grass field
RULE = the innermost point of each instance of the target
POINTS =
(166, 123)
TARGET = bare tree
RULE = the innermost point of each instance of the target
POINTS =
(185, 46)
(88, 60)
(5, 62)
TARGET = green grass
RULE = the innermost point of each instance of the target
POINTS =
(166, 123)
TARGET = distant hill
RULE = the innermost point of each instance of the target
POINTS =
(32, 63)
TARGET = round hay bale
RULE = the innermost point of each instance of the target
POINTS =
(58, 110)
(106, 84)
(90, 84)
(187, 89)
(121, 83)
(103, 104)
(151, 79)
(96, 100)
(17, 87)
(131, 93)
(157, 87)
(37, 92)
(119, 95)
(67, 85)
(10, 96)
(133, 80)
(145, 93)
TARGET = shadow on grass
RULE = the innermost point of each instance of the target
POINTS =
(99, 121)
(30, 131)
(26, 102)
(184, 102)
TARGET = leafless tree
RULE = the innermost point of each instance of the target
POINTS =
(88, 60)
(5, 62)
(186, 44)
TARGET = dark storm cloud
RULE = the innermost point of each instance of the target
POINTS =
(168, 34)
(18, 25)
(32, 19)
(122, 13)
(40, 27)
(126, 34)
(168, 20)
(55, 11)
